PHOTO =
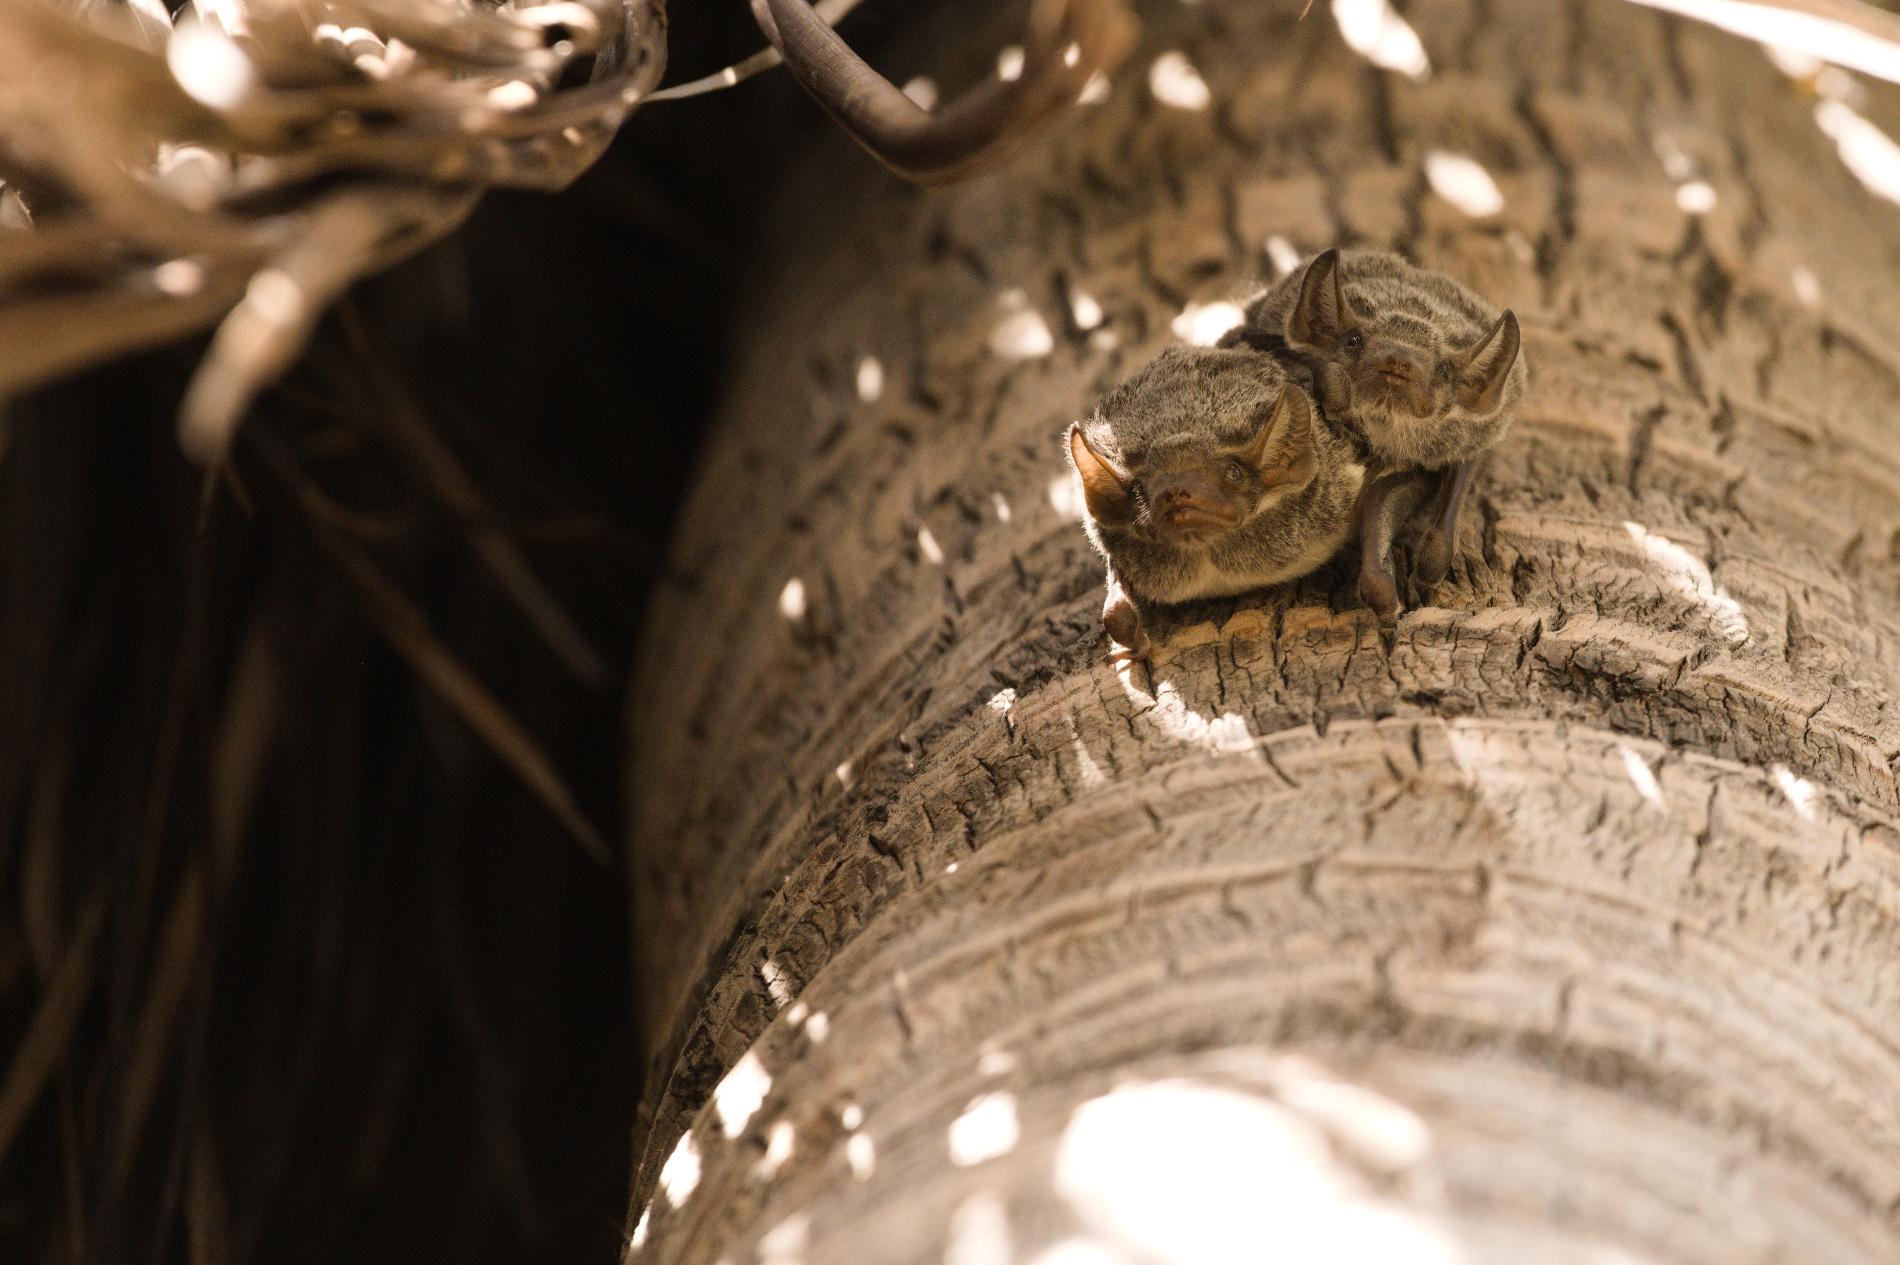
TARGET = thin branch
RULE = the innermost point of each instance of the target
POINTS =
(406, 629)
(1069, 43)
(53, 1024)
(832, 11)
(456, 491)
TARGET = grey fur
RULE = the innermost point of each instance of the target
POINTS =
(1191, 409)
(1389, 298)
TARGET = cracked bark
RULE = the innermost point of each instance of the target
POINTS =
(1594, 870)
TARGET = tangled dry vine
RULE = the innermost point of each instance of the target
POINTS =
(240, 162)
(243, 161)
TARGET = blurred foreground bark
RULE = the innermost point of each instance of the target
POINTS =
(1565, 925)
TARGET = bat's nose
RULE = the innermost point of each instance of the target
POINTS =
(1399, 367)
(1178, 495)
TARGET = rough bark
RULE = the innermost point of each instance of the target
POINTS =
(1563, 925)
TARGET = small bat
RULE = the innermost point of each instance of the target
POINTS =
(1207, 473)
(1427, 373)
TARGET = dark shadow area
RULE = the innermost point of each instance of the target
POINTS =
(294, 966)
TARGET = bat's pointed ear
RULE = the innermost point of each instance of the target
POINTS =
(1320, 314)
(1282, 452)
(1109, 493)
(1487, 366)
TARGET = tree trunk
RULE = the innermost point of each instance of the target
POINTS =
(1562, 927)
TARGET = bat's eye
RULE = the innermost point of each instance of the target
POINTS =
(1354, 340)
(1234, 473)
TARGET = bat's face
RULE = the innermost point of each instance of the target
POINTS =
(1395, 366)
(1193, 447)
(1391, 359)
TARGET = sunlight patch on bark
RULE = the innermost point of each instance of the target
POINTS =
(870, 379)
(1374, 30)
(1085, 764)
(1799, 790)
(1188, 1173)
(986, 1129)
(1697, 197)
(979, 1231)
(1084, 308)
(777, 983)
(679, 1176)
(1282, 254)
(1021, 334)
(1167, 710)
(740, 1094)
(1202, 324)
(209, 65)
(1175, 82)
(1693, 194)
(927, 546)
(779, 1141)
(861, 1154)
(1642, 778)
(1689, 576)
(1807, 286)
(1463, 182)
(791, 599)
(1079, 1252)
(179, 277)
(1378, 1131)
(784, 1243)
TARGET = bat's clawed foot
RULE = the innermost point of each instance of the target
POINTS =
(1431, 561)
(1380, 592)
(1431, 558)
